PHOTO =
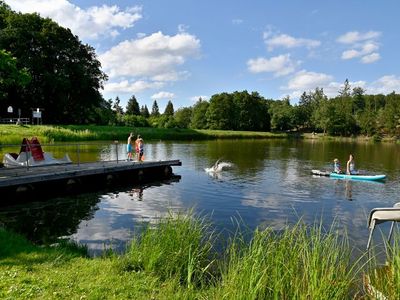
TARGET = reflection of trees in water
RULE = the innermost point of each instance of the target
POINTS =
(44, 222)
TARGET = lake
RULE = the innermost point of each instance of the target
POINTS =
(268, 185)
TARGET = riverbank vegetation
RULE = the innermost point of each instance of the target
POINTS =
(13, 134)
(177, 258)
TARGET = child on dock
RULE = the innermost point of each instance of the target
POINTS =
(129, 147)
(139, 147)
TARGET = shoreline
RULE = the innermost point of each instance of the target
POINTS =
(13, 134)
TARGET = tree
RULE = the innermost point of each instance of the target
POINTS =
(144, 111)
(281, 115)
(169, 109)
(66, 75)
(183, 117)
(117, 107)
(155, 112)
(10, 75)
(132, 108)
(221, 112)
(199, 110)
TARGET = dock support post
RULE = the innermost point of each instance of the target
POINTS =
(78, 153)
(116, 149)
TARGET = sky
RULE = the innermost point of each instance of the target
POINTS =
(181, 50)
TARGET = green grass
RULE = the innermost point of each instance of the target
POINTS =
(176, 259)
(13, 134)
(386, 278)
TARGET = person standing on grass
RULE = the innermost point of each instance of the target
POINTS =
(129, 147)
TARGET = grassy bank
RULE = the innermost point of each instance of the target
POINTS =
(13, 134)
(176, 259)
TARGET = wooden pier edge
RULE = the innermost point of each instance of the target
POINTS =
(37, 181)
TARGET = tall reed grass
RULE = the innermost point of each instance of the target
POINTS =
(384, 280)
(296, 263)
(179, 247)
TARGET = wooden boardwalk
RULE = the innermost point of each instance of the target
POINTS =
(17, 179)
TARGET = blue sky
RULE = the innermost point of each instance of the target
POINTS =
(182, 50)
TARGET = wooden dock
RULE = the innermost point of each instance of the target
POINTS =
(36, 180)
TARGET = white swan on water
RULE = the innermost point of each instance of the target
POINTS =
(218, 166)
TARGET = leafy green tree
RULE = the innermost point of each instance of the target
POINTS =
(104, 114)
(169, 109)
(10, 75)
(199, 110)
(132, 108)
(281, 115)
(221, 113)
(389, 116)
(66, 75)
(117, 106)
(155, 111)
(183, 117)
(144, 111)
(251, 111)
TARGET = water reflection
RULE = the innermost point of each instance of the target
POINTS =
(269, 185)
(44, 222)
(99, 220)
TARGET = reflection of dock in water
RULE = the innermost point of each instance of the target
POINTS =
(34, 182)
(46, 222)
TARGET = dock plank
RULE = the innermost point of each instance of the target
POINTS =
(19, 176)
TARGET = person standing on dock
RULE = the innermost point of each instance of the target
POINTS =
(129, 147)
(139, 147)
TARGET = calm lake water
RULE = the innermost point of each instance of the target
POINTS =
(269, 184)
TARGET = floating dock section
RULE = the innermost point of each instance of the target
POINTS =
(31, 183)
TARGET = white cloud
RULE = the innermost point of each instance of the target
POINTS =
(287, 41)
(237, 21)
(163, 95)
(352, 37)
(363, 46)
(151, 59)
(171, 76)
(385, 85)
(305, 80)
(126, 86)
(279, 65)
(90, 23)
(196, 98)
(151, 55)
(349, 54)
(370, 58)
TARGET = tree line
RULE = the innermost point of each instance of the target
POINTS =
(43, 65)
(351, 112)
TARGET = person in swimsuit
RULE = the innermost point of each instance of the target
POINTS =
(351, 166)
(336, 166)
(139, 148)
(129, 146)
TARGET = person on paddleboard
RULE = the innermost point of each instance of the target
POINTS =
(351, 166)
(336, 166)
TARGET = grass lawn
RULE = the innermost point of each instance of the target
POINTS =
(13, 134)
